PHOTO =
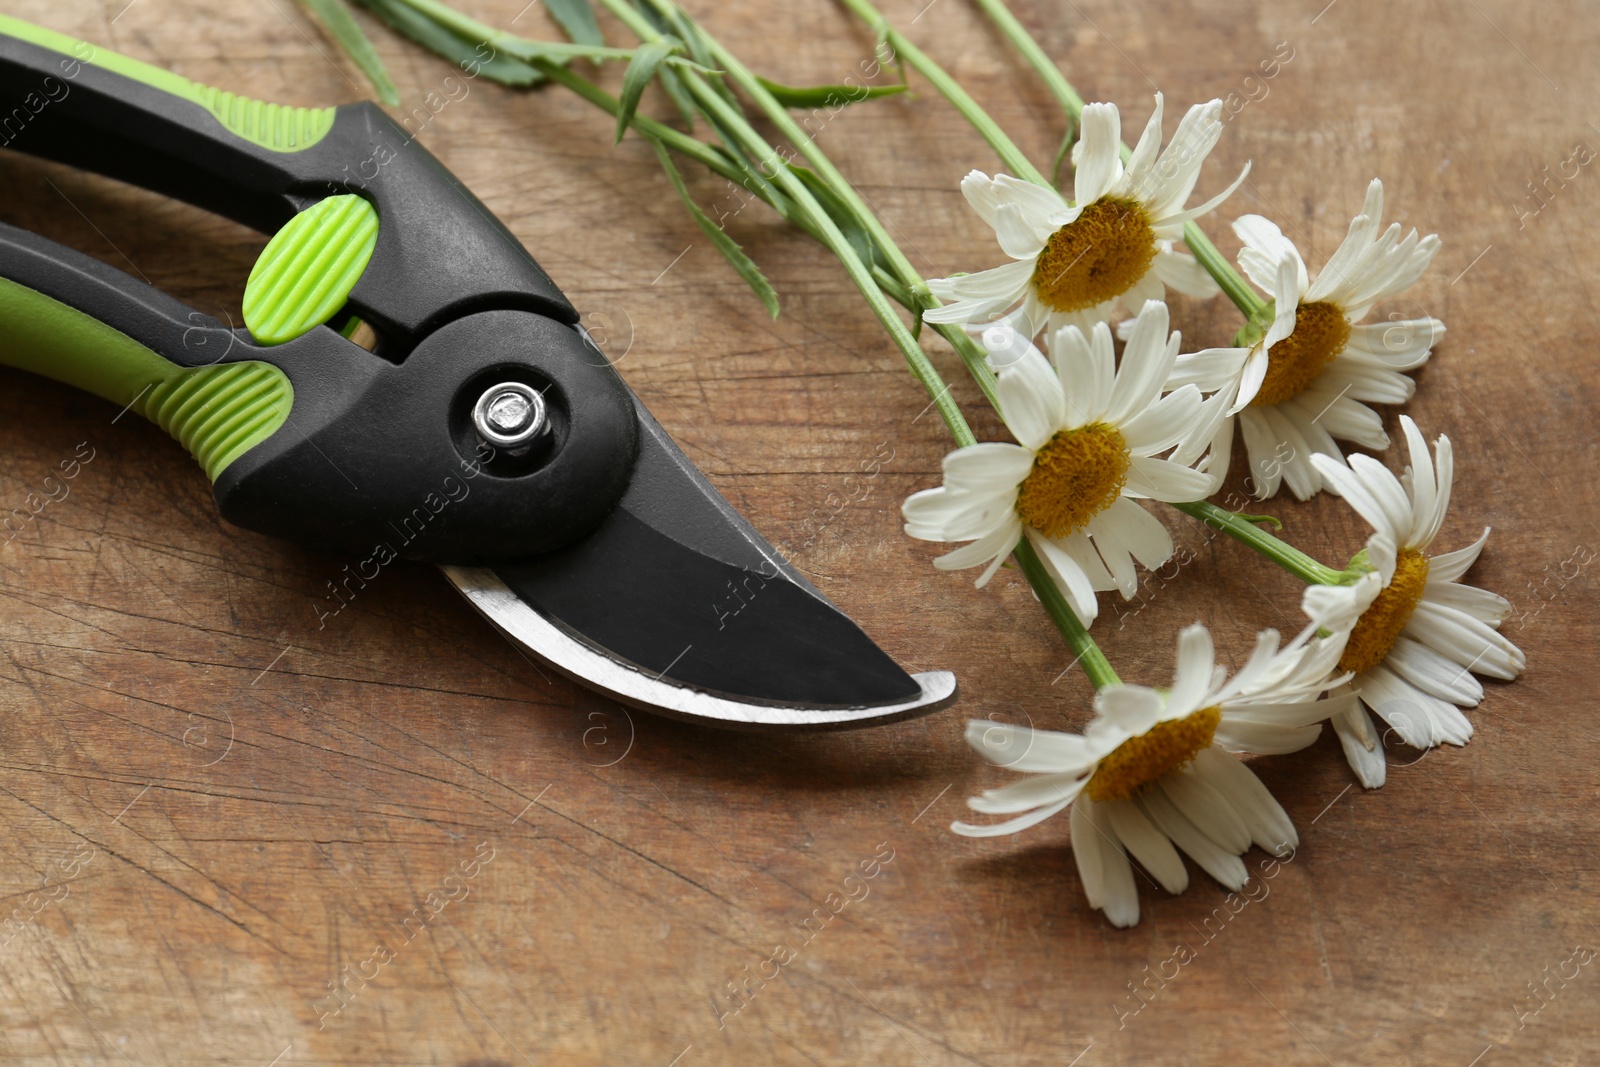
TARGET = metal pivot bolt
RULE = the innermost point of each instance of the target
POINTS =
(510, 415)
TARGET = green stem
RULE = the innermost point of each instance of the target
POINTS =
(714, 161)
(1023, 41)
(1246, 532)
(1095, 664)
(1010, 155)
(1227, 276)
(757, 147)
(970, 351)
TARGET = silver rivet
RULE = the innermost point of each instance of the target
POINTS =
(510, 415)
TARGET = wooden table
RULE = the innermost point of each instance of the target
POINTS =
(215, 810)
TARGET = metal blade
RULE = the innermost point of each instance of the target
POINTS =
(677, 605)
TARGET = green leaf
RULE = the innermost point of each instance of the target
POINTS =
(641, 68)
(834, 96)
(576, 19)
(556, 51)
(839, 212)
(675, 21)
(673, 84)
(341, 26)
(726, 245)
(477, 59)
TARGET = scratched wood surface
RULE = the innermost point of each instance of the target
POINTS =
(216, 813)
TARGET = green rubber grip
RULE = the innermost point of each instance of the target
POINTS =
(277, 127)
(218, 413)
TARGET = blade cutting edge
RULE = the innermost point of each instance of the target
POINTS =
(639, 689)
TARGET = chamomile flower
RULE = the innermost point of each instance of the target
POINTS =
(1413, 635)
(1309, 379)
(1076, 262)
(1155, 769)
(1089, 437)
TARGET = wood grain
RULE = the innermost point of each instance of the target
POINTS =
(214, 810)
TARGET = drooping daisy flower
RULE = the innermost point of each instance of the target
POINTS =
(1089, 437)
(1310, 378)
(1075, 262)
(1154, 769)
(1413, 635)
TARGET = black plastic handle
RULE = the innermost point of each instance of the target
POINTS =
(440, 252)
(376, 455)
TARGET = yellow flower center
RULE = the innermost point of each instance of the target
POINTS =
(1379, 626)
(1097, 256)
(1140, 760)
(1075, 476)
(1320, 333)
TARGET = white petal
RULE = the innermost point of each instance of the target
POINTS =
(1270, 826)
(1176, 219)
(1209, 369)
(1005, 282)
(1284, 310)
(995, 545)
(1086, 370)
(1133, 708)
(1164, 423)
(1167, 185)
(1107, 875)
(1018, 239)
(1450, 566)
(1487, 607)
(1472, 643)
(1265, 247)
(1042, 207)
(1023, 748)
(979, 191)
(987, 463)
(1115, 554)
(1389, 494)
(1011, 826)
(1207, 809)
(1100, 164)
(1147, 845)
(1043, 790)
(1144, 153)
(1358, 495)
(1243, 734)
(1191, 678)
(965, 312)
(1363, 749)
(1226, 867)
(1421, 720)
(1432, 673)
(1030, 399)
(1161, 479)
(1141, 532)
(1146, 365)
(1075, 584)
(1185, 274)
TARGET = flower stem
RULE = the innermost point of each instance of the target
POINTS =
(1095, 664)
(1248, 533)
(752, 143)
(1013, 31)
(1226, 275)
(918, 60)
(921, 299)
(708, 157)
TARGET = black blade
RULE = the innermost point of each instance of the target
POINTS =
(677, 585)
